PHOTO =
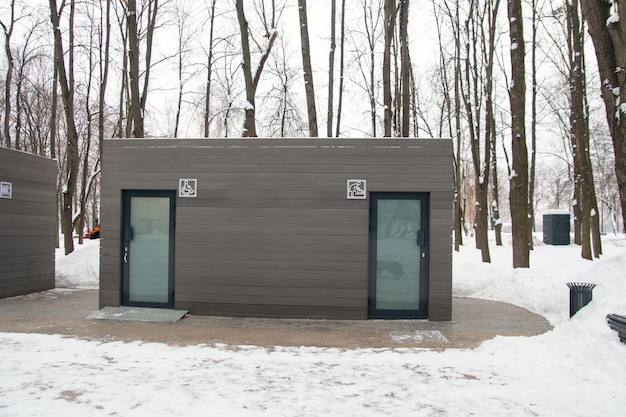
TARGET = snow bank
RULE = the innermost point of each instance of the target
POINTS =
(575, 370)
(81, 268)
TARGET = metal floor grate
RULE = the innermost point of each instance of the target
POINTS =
(152, 315)
(419, 336)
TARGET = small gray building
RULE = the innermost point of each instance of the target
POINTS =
(27, 222)
(287, 228)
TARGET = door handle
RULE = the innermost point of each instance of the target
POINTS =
(421, 238)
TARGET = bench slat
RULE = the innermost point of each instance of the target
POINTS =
(617, 323)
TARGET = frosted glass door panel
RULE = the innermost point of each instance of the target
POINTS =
(398, 273)
(149, 249)
(397, 255)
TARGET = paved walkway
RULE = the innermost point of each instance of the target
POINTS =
(65, 312)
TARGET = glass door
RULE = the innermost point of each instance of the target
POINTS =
(148, 248)
(398, 255)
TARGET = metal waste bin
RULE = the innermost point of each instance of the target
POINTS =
(580, 294)
(556, 229)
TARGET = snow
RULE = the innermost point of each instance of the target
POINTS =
(557, 211)
(79, 269)
(613, 18)
(577, 369)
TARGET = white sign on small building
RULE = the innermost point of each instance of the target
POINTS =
(6, 190)
(357, 189)
(187, 187)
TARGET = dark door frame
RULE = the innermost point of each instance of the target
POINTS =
(126, 234)
(423, 241)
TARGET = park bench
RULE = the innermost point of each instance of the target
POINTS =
(618, 323)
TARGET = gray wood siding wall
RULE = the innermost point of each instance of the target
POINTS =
(27, 223)
(271, 232)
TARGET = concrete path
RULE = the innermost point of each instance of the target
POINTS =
(64, 312)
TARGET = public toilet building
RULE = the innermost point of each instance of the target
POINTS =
(27, 222)
(285, 228)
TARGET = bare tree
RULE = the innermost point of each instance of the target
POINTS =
(209, 76)
(479, 53)
(518, 192)
(579, 133)
(8, 33)
(366, 55)
(533, 123)
(607, 26)
(331, 68)
(185, 32)
(104, 48)
(67, 94)
(136, 111)
(285, 118)
(309, 87)
(342, 50)
(390, 24)
(405, 69)
(252, 77)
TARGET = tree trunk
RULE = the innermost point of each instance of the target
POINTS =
(307, 68)
(104, 77)
(136, 115)
(405, 69)
(608, 33)
(209, 75)
(533, 127)
(342, 51)
(67, 94)
(518, 194)
(252, 81)
(458, 210)
(372, 79)
(578, 128)
(53, 140)
(249, 126)
(8, 31)
(331, 69)
(153, 7)
(390, 23)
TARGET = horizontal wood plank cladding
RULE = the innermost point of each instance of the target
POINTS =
(27, 223)
(271, 232)
(190, 278)
(274, 311)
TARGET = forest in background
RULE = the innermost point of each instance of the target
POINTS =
(530, 91)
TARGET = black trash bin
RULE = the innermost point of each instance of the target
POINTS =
(556, 229)
(580, 294)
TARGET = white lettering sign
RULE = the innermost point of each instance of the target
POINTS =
(6, 190)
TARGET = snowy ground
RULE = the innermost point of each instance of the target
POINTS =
(577, 369)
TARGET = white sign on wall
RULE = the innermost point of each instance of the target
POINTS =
(357, 190)
(187, 187)
(6, 190)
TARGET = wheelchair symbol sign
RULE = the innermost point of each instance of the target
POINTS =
(187, 187)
